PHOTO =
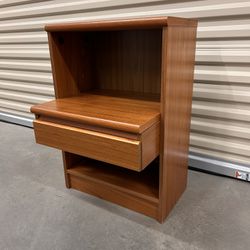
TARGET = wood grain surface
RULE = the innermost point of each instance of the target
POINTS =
(129, 115)
(137, 191)
(120, 24)
(128, 60)
(176, 99)
(108, 148)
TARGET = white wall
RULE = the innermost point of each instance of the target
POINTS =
(221, 103)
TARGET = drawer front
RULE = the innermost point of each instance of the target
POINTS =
(108, 148)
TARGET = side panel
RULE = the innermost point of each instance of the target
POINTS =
(176, 98)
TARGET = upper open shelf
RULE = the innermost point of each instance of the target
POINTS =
(126, 60)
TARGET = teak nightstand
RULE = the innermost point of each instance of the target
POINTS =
(122, 110)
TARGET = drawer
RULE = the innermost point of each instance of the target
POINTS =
(124, 152)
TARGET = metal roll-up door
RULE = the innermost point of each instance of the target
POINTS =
(220, 136)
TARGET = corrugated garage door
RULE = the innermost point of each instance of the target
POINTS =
(220, 138)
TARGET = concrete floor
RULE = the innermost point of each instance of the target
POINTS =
(38, 212)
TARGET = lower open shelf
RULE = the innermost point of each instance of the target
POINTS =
(137, 191)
